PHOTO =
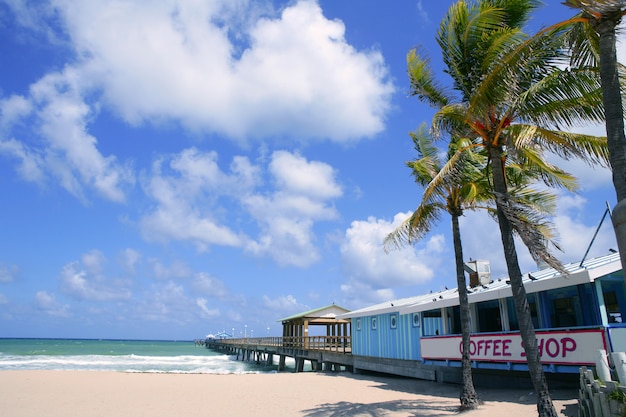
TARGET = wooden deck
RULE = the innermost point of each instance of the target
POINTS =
(324, 352)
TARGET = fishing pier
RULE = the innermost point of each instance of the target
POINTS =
(325, 353)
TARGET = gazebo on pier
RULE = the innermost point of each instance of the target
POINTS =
(296, 328)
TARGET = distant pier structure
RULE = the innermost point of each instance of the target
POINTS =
(329, 351)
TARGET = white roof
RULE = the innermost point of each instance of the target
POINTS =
(542, 280)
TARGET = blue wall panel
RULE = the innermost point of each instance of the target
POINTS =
(386, 336)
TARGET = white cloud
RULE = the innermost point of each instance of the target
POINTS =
(186, 194)
(84, 281)
(295, 175)
(208, 313)
(8, 273)
(168, 303)
(328, 89)
(58, 116)
(31, 163)
(195, 199)
(206, 284)
(176, 270)
(48, 303)
(218, 67)
(215, 67)
(12, 110)
(575, 237)
(130, 259)
(93, 261)
(283, 305)
(288, 214)
(369, 270)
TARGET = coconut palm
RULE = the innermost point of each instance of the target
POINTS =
(512, 93)
(452, 194)
(603, 17)
(463, 186)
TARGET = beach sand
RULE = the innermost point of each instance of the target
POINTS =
(115, 394)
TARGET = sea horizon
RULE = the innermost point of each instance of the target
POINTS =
(120, 355)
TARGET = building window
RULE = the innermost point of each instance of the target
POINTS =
(416, 319)
(374, 323)
(614, 297)
(565, 309)
(489, 316)
(432, 324)
(534, 312)
(394, 321)
(612, 307)
(358, 325)
(454, 319)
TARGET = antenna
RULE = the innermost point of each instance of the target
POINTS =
(607, 210)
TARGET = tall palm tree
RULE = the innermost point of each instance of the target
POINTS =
(463, 186)
(604, 16)
(513, 93)
(452, 194)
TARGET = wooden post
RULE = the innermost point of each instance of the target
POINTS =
(299, 364)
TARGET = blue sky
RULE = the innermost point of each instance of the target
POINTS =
(176, 168)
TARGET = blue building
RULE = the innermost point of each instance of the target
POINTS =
(574, 316)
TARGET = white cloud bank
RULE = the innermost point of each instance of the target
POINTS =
(196, 200)
(372, 274)
(215, 67)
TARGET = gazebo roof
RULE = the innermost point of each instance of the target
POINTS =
(322, 315)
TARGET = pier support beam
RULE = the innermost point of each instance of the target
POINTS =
(281, 363)
(299, 364)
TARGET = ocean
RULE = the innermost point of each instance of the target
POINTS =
(120, 356)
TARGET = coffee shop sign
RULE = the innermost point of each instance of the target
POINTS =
(558, 347)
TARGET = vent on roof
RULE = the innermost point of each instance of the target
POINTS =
(479, 272)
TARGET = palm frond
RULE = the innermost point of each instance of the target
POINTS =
(534, 229)
(567, 145)
(563, 97)
(534, 167)
(414, 227)
(597, 8)
(461, 34)
(423, 83)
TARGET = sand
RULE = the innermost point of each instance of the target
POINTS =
(115, 394)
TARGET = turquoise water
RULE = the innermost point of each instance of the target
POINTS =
(119, 355)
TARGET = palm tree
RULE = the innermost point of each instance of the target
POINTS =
(463, 186)
(514, 92)
(450, 193)
(603, 16)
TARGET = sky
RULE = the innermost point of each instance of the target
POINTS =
(172, 168)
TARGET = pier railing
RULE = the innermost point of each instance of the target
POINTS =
(339, 344)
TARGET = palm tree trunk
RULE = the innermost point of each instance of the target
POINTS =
(469, 397)
(527, 329)
(613, 109)
(613, 113)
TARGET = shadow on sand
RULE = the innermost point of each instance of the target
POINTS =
(439, 405)
(419, 408)
(439, 400)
